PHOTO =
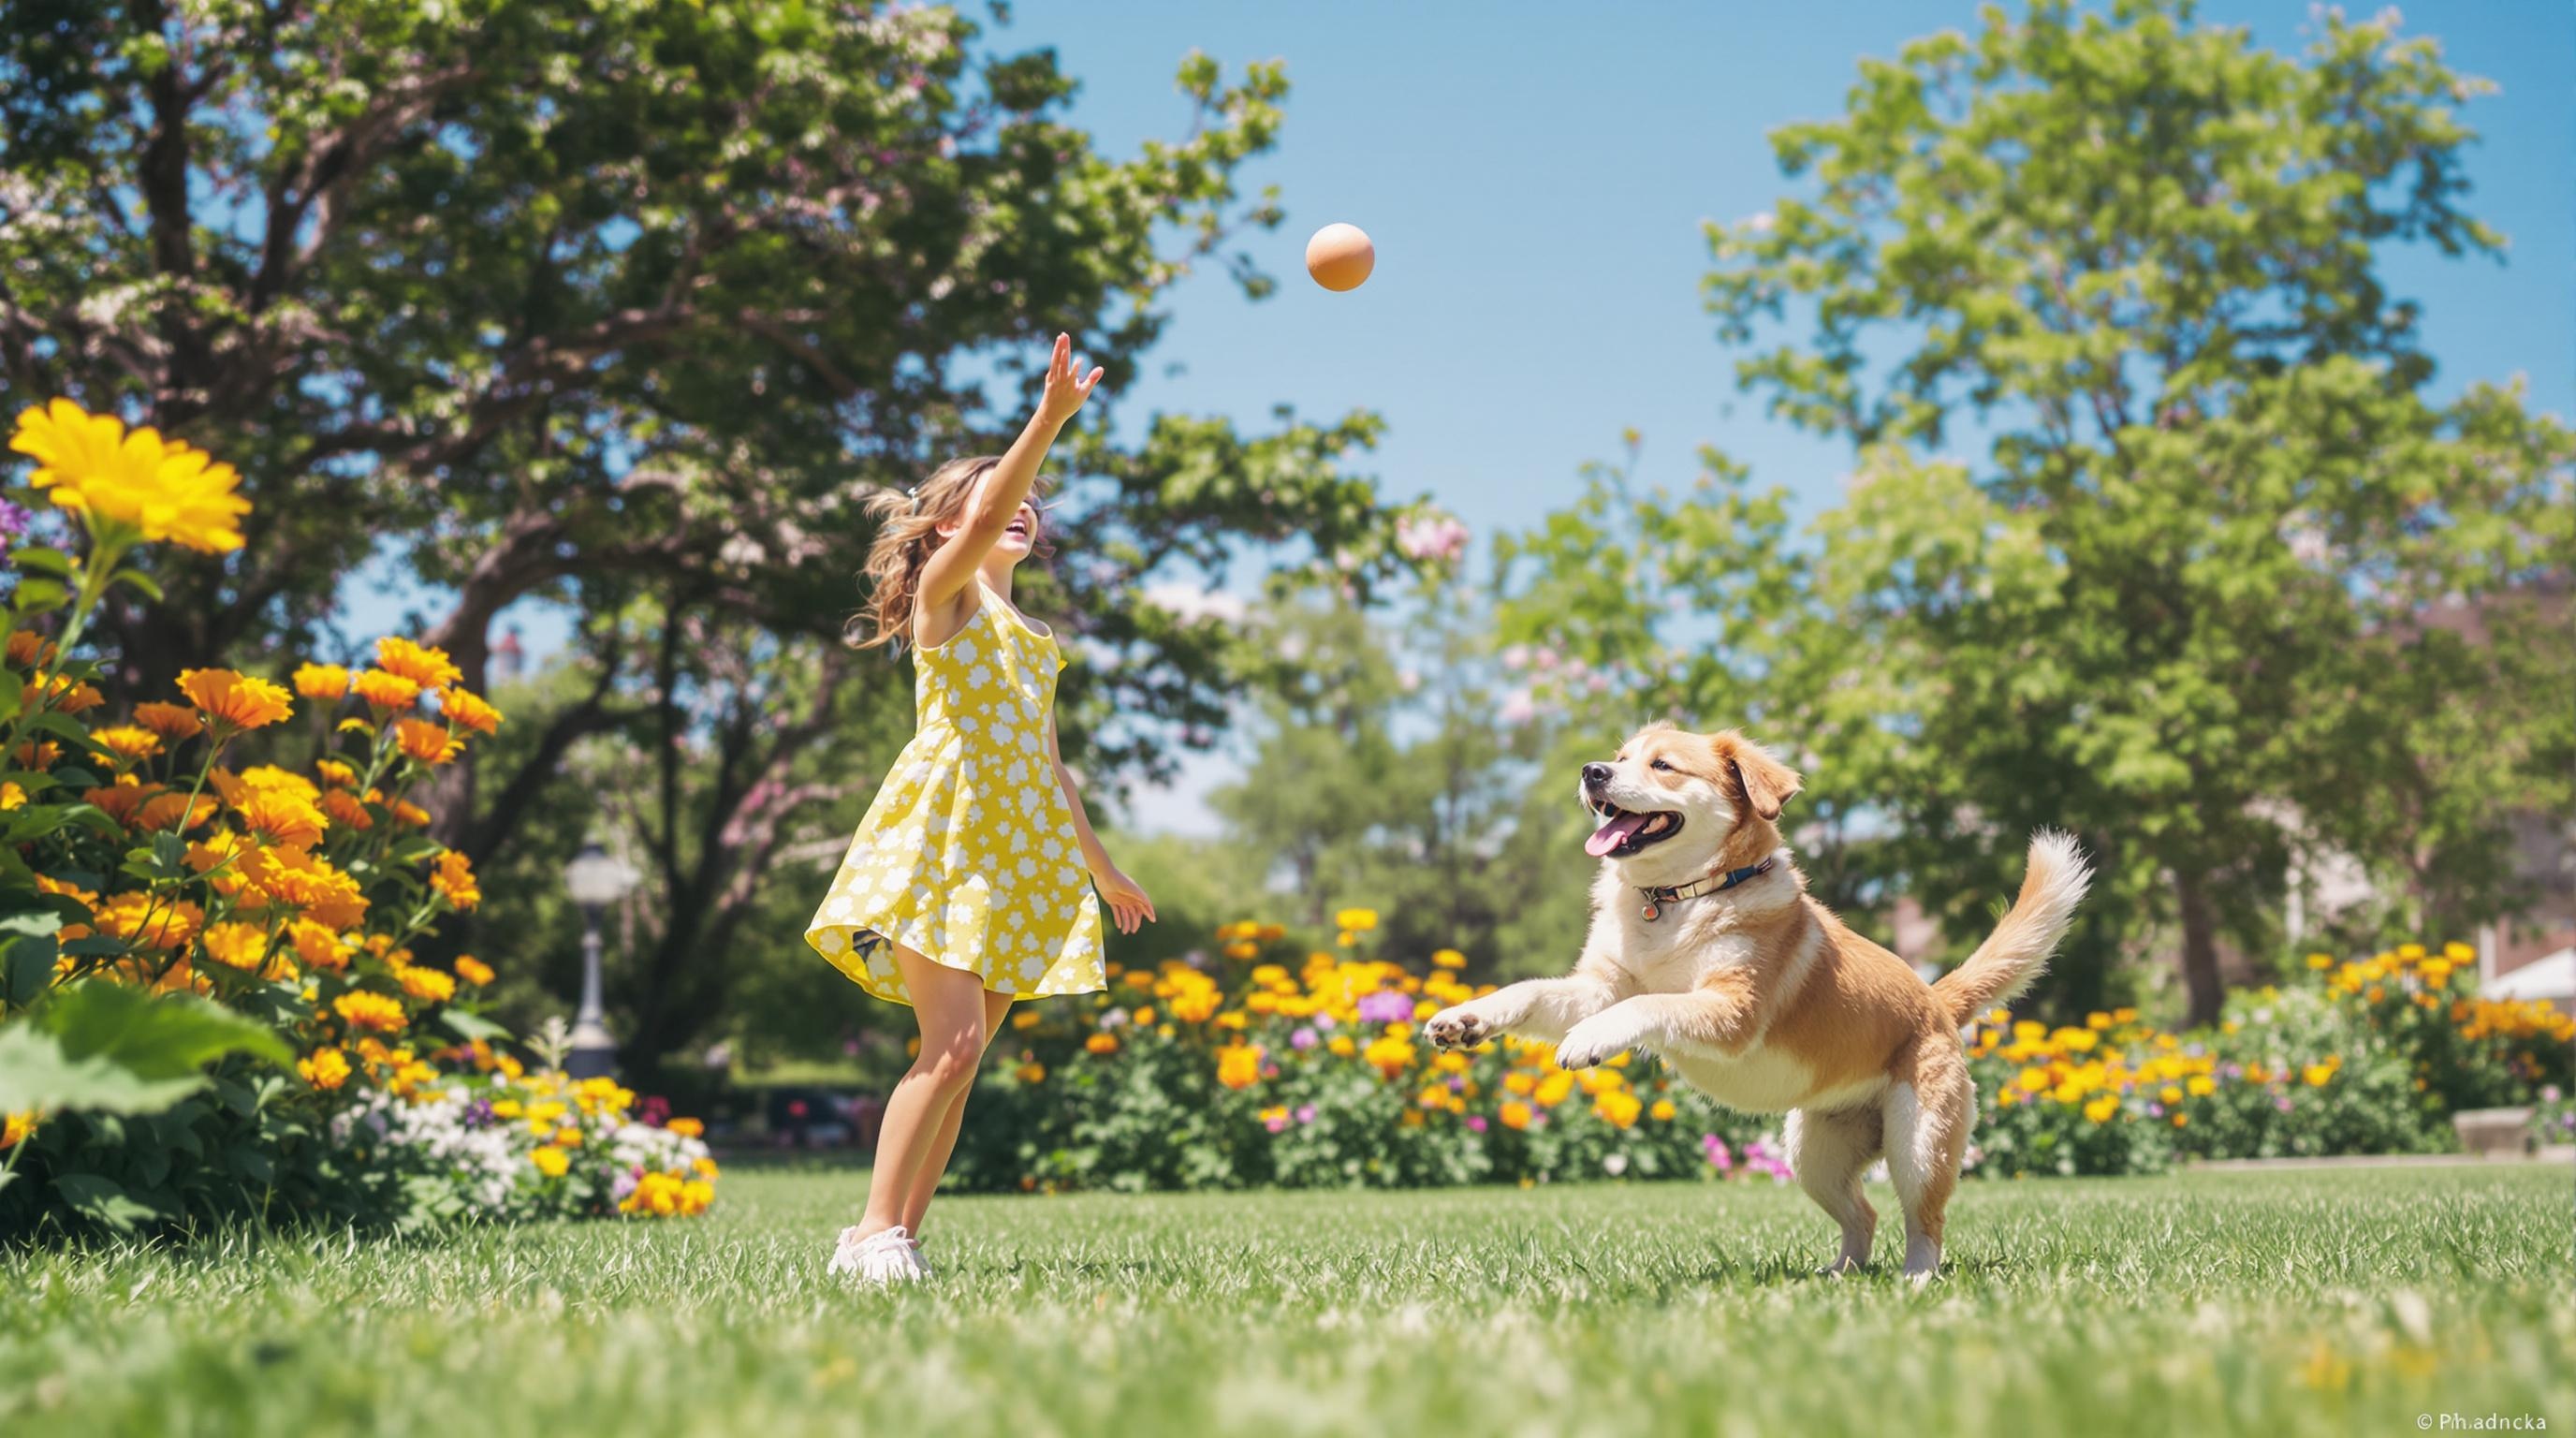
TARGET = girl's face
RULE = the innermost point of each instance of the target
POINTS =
(1016, 541)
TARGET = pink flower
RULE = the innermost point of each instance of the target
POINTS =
(1718, 1156)
(1431, 536)
(1305, 1113)
(1475, 1123)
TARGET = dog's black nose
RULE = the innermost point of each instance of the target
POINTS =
(1596, 775)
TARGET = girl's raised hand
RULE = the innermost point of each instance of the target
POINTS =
(1064, 394)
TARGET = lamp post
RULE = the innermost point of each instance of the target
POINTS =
(597, 879)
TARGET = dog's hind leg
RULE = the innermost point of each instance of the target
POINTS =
(1828, 1151)
(1930, 1110)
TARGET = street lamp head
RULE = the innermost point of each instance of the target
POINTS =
(597, 878)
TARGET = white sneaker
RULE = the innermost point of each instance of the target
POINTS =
(919, 1260)
(880, 1258)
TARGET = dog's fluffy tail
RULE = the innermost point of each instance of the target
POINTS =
(2019, 947)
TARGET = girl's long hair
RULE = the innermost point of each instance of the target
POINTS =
(907, 534)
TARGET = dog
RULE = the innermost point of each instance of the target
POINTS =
(1706, 951)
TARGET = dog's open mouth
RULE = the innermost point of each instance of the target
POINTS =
(1623, 833)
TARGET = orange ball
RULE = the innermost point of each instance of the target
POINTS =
(1340, 257)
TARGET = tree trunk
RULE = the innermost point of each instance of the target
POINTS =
(2203, 990)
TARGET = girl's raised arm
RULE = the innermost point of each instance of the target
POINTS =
(952, 565)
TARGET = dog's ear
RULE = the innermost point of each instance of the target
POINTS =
(1767, 783)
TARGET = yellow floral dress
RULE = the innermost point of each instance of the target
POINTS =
(968, 856)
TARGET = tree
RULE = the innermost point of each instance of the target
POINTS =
(2155, 518)
(549, 300)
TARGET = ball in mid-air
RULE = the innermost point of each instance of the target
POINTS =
(1340, 257)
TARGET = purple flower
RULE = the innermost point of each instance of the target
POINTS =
(478, 1114)
(1305, 1113)
(625, 1184)
(2282, 1103)
(13, 522)
(1475, 1123)
(1457, 1083)
(2154, 1109)
(1304, 1038)
(1386, 1006)
(1327, 1021)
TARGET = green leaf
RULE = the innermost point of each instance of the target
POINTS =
(167, 1037)
(102, 1201)
(138, 580)
(470, 1027)
(35, 1073)
(38, 559)
(36, 596)
(27, 968)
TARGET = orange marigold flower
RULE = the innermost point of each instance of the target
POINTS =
(317, 945)
(298, 880)
(148, 923)
(386, 691)
(453, 878)
(170, 721)
(427, 742)
(122, 800)
(686, 1127)
(335, 773)
(27, 648)
(233, 699)
(411, 814)
(60, 693)
(127, 741)
(429, 668)
(468, 710)
(347, 809)
(39, 756)
(321, 681)
(473, 970)
(162, 811)
(370, 1013)
(281, 817)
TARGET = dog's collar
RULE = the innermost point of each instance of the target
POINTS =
(1710, 884)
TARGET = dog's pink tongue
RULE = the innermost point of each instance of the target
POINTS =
(1609, 835)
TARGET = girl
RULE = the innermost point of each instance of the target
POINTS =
(965, 886)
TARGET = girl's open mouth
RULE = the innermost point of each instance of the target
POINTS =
(1623, 833)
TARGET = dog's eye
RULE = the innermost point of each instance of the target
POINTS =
(1660, 764)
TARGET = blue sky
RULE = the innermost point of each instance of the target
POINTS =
(1535, 177)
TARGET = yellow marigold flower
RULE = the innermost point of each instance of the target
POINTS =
(374, 1013)
(473, 970)
(1514, 1114)
(170, 721)
(2200, 1085)
(321, 681)
(1618, 1106)
(428, 985)
(281, 817)
(1663, 1110)
(2321, 962)
(14, 1129)
(236, 944)
(2101, 1109)
(150, 923)
(468, 710)
(686, 1127)
(1238, 1066)
(2317, 1075)
(2097, 1020)
(1553, 1089)
(453, 878)
(325, 1068)
(1101, 1043)
(1519, 1082)
(2169, 1095)
(389, 692)
(1449, 959)
(1341, 1046)
(336, 774)
(1145, 1018)
(1357, 921)
(163, 490)
(568, 1137)
(1032, 1073)
(127, 741)
(12, 797)
(429, 743)
(429, 668)
(552, 1162)
(2034, 1080)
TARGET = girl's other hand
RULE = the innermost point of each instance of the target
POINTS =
(1064, 394)
(1129, 905)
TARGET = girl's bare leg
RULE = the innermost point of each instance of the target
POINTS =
(949, 1005)
(925, 1182)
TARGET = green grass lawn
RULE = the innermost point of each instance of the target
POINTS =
(2345, 1301)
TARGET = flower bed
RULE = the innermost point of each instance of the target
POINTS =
(213, 1007)
(1266, 1064)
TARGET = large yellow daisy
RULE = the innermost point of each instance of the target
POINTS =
(162, 489)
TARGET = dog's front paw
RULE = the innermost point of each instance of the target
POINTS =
(1459, 1027)
(1596, 1040)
